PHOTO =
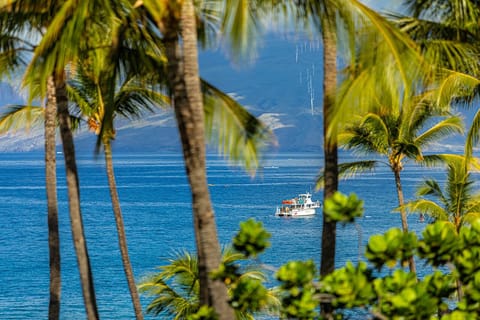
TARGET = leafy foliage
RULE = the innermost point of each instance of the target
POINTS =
(395, 245)
(176, 287)
(457, 202)
(396, 294)
(342, 208)
(204, 313)
(252, 238)
(298, 291)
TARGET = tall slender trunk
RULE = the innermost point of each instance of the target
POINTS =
(76, 222)
(122, 238)
(329, 143)
(403, 213)
(52, 207)
(329, 228)
(185, 88)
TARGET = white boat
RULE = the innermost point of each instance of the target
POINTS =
(303, 205)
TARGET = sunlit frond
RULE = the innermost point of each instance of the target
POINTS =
(371, 135)
(66, 37)
(393, 70)
(470, 217)
(432, 188)
(238, 133)
(446, 127)
(443, 44)
(132, 101)
(175, 289)
(427, 207)
(242, 26)
(454, 85)
(473, 135)
(20, 117)
(348, 170)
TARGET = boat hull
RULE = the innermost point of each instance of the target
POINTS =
(296, 213)
(300, 206)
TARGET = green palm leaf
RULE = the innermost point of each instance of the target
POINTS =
(175, 287)
(370, 135)
(348, 170)
(454, 85)
(427, 207)
(238, 133)
(470, 217)
(21, 117)
(446, 127)
(430, 187)
(473, 135)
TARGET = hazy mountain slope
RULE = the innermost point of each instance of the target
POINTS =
(282, 86)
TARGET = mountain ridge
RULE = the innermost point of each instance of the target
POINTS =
(282, 87)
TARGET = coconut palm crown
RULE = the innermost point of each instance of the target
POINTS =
(175, 288)
(396, 136)
(458, 202)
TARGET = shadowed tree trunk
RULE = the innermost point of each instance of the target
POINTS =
(330, 143)
(329, 228)
(76, 222)
(184, 84)
(122, 238)
(52, 207)
(403, 214)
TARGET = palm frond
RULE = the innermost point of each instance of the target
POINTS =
(240, 22)
(348, 170)
(430, 187)
(454, 85)
(473, 135)
(132, 101)
(446, 127)
(392, 72)
(427, 207)
(371, 135)
(22, 117)
(470, 217)
(398, 45)
(238, 133)
(441, 44)
(407, 149)
(441, 159)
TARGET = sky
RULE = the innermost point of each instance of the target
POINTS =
(383, 5)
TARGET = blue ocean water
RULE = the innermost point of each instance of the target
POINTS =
(155, 199)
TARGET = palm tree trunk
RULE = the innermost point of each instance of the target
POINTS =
(76, 222)
(329, 228)
(403, 213)
(330, 143)
(122, 238)
(52, 207)
(185, 88)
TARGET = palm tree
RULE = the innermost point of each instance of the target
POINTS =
(89, 92)
(358, 29)
(447, 32)
(457, 203)
(129, 100)
(184, 84)
(14, 47)
(175, 289)
(396, 135)
(330, 149)
(50, 60)
(51, 187)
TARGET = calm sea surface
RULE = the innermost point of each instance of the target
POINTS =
(155, 200)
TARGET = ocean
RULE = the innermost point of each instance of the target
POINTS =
(156, 205)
